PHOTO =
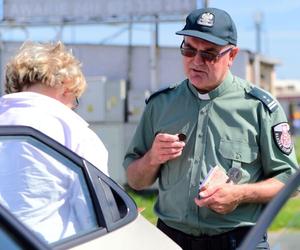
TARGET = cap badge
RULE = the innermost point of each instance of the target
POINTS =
(282, 136)
(206, 19)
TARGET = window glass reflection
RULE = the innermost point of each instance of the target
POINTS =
(45, 190)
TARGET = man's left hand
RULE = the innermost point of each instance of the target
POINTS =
(222, 199)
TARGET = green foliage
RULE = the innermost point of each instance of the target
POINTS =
(297, 147)
(289, 216)
(145, 201)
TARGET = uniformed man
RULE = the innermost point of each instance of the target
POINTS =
(212, 118)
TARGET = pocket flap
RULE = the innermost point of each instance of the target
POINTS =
(238, 151)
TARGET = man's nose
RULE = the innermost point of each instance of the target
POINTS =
(198, 60)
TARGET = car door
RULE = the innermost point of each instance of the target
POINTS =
(103, 215)
(280, 218)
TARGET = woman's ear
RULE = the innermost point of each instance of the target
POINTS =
(67, 97)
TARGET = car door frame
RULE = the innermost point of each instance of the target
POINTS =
(270, 212)
(105, 193)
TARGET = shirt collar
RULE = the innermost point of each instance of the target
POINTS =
(27, 99)
(204, 96)
(218, 91)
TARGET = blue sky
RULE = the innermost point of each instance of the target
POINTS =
(280, 38)
(280, 30)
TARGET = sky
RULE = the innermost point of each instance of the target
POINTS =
(280, 31)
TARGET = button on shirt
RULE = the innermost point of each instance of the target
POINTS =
(225, 127)
(45, 194)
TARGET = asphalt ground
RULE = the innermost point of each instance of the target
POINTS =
(284, 240)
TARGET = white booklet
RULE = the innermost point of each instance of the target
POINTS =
(215, 176)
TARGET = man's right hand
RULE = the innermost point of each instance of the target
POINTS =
(142, 172)
(165, 147)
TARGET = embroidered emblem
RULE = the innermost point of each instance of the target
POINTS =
(282, 137)
(206, 19)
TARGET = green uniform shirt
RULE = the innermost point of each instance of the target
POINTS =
(227, 127)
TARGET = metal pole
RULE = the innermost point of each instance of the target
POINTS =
(60, 31)
(153, 56)
(129, 62)
(257, 69)
(258, 20)
(129, 71)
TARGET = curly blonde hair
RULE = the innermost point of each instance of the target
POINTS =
(49, 64)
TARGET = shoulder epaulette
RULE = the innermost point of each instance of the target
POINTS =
(264, 97)
(163, 90)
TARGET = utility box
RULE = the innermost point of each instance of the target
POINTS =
(136, 104)
(112, 135)
(103, 101)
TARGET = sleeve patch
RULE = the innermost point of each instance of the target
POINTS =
(282, 137)
(265, 98)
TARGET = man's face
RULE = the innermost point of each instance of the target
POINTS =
(207, 75)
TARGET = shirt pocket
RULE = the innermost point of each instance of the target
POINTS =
(238, 151)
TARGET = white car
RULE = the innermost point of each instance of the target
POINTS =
(117, 223)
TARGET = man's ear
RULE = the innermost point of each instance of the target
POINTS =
(233, 53)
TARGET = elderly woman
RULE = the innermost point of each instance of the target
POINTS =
(43, 84)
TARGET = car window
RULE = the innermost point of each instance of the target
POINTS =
(49, 192)
(62, 198)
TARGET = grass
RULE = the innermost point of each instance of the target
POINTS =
(297, 147)
(145, 201)
(289, 215)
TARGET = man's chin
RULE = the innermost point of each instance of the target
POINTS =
(198, 81)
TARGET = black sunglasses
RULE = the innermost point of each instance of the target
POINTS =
(205, 55)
